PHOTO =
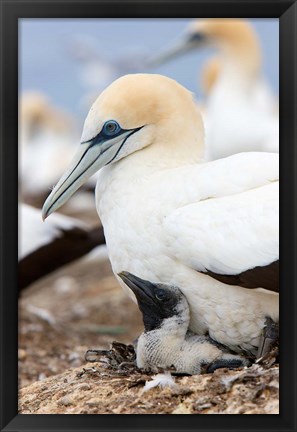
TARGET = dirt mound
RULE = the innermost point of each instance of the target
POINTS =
(95, 390)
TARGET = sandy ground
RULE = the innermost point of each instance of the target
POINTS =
(74, 309)
(82, 307)
(94, 390)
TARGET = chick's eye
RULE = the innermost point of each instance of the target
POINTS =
(111, 127)
(161, 295)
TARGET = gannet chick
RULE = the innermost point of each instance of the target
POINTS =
(209, 228)
(166, 341)
(241, 110)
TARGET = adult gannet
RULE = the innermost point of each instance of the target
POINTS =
(166, 341)
(46, 142)
(45, 248)
(209, 228)
(242, 113)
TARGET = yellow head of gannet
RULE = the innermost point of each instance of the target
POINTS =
(235, 38)
(135, 112)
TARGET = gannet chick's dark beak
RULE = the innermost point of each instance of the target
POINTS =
(166, 341)
(155, 301)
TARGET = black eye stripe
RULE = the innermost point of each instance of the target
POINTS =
(128, 136)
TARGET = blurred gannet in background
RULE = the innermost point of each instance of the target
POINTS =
(209, 228)
(242, 113)
(209, 74)
(166, 341)
(208, 78)
(46, 142)
(47, 138)
(44, 248)
(96, 71)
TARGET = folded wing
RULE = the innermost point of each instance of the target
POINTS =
(234, 239)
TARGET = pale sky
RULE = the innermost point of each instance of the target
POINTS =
(48, 63)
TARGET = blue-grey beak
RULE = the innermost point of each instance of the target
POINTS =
(185, 44)
(90, 157)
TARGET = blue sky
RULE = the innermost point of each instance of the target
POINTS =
(49, 63)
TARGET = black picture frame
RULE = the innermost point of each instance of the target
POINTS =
(11, 11)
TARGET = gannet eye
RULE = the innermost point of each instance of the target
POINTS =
(196, 37)
(161, 295)
(111, 127)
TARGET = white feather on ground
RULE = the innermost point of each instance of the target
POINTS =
(161, 380)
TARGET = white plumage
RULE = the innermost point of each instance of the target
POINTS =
(34, 233)
(199, 232)
(45, 247)
(249, 120)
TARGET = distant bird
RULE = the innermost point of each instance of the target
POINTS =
(209, 228)
(242, 112)
(96, 71)
(44, 248)
(46, 144)
(209, 74)
(47, 138)
(166, 341)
